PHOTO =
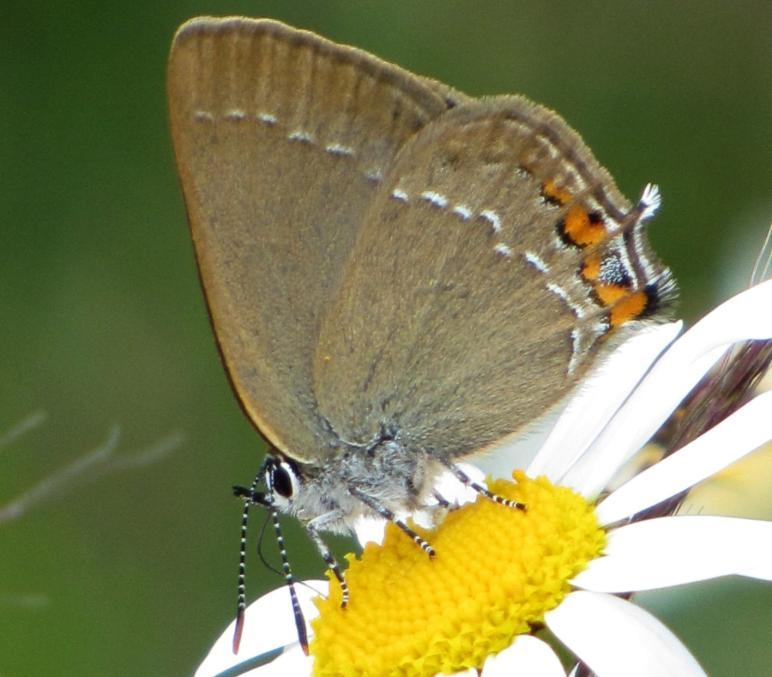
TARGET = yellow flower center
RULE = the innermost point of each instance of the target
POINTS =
(498, 570)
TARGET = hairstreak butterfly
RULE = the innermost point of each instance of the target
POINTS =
(399, 276)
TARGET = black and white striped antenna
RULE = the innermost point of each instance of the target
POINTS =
(253, 497)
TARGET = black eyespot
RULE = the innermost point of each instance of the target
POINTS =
(281, 479)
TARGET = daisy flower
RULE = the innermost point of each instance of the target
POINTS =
(567, 565)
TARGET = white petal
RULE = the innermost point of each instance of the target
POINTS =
(598, 398)
(667, 551)
(745, 316)
(647, 408)
(451, 489)
(614, 637)
(526, 656)
(268, 624)
(369, 529)
(737, 435)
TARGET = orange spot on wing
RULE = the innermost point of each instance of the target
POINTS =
(582, 228)
(553, 192)
(609, 294)
(591, 267)
(628, 308)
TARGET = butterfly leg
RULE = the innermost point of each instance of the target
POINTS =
(312, 529)
(441, 500)
(387, 514)
(467, 481)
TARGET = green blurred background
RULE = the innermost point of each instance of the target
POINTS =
(103, 319)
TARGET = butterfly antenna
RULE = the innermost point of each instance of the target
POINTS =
(260, 552)
(241, 600)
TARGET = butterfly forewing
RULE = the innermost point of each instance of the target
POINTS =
(281, 149)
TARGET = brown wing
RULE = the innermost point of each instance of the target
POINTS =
(469, 305)
(281, 140)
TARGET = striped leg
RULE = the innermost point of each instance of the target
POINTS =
(467, 481)
(312, 529)
(387, 514)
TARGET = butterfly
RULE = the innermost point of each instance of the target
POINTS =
(399, 276)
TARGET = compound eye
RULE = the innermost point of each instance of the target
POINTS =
(284, 480)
